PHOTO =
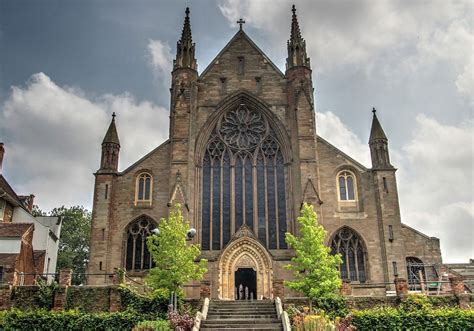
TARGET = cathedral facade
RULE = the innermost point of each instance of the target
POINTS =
(242, 157)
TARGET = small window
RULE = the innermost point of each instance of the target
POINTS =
(144, 188)
(100, 265)
(258, 82)
(395, 268)
(390, 233)
(106, 194)
(241, 65)
(223, 88)
(346, 186)
(385, 185)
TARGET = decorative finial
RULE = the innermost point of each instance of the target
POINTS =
(293, 9)
(113, 116)
(187, 11)
(240, 22)
(374, 110)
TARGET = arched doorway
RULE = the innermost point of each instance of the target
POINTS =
(245, 261)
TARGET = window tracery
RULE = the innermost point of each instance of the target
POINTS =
(348, 243)
(138, 257)
(243, 168)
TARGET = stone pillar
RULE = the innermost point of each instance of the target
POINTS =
(115, 300)
(5, 296)
(278, 289)
(65, 277)
(346, 288)
(401, 286)
(60, 296)
(205, 289)
(457, 285)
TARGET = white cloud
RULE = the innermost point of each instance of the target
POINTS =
(331, 128)
(399, 39)
(160, 59)
(435, 178)
(53, 136)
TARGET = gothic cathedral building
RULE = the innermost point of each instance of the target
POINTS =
(242, 157)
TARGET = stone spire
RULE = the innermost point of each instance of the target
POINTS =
(296, 46)
(378, 143)
(110, 149)
(185, 47)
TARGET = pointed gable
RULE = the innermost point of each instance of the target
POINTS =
(241, 45)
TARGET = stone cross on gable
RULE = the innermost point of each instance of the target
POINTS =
(240, 22)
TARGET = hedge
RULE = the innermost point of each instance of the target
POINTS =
(39, 320)
(398, 319)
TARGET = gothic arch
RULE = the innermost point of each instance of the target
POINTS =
(243, 171)
(135, 255)
(244, 252)
(234, 100)
(353, 249)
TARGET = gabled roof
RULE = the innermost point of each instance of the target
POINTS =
(10, 194)
(334, 148)
(14, 230)
(241, 34)
(167, 141)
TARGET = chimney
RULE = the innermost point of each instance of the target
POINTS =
(30, 202)
(2, 152)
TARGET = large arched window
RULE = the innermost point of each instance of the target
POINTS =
(416, 273)
(346, 186)
(351, 247)
(138, 257)
(243, 181)
(144, 186)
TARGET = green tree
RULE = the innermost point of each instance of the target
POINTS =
(74, 240)
(314, 268)
(175, 260)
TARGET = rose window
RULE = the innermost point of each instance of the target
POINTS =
(242, 128)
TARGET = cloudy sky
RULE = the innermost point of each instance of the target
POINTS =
(65, 66)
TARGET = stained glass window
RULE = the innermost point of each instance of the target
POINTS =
(143, 188)
(348, 243)
(137, 255)
(346, 186)
(243, 167)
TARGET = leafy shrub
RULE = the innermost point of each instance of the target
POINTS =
(398, 319)
(39, 320)
(46, 293)
(415, 302)
(154, 304)
(334, 306)
(158, 325)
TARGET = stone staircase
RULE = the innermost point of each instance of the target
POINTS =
(241, 315)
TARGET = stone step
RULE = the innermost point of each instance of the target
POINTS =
(263, 309)
(240, 313)
(241, 306)
(237, 316)
(239, 321)
(253, 328)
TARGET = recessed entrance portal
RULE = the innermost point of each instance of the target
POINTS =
(245, 261)
(245, 284)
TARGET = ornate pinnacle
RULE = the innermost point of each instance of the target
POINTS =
(186, 35)
(296, 45)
